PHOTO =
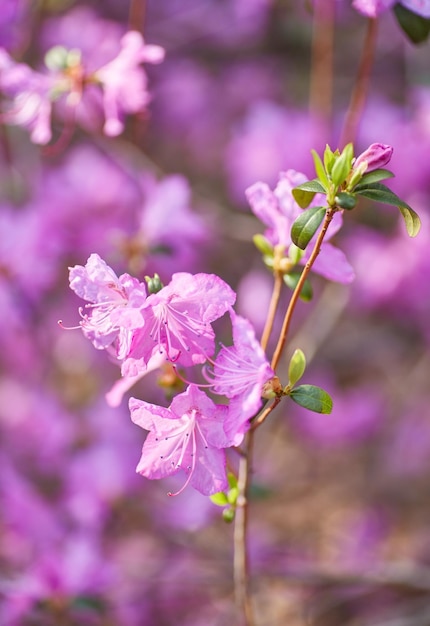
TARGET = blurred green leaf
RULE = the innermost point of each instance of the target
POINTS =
(220, 498)
(375, 176)
(417, 28)
(291, 281)
(342, 165)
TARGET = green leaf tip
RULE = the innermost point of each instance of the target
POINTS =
(312, 398)
(381, 193)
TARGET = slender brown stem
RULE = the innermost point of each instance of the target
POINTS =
(359, 94)
(265, 414)
(296, 294)
(241, 570)
(137, 13)
(321, 80)
(276, 294)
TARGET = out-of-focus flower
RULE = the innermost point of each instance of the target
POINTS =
(189, 435)
(377, 155)
(168, 235)
(373, 8)
(30, 94)
(278, 210)
(124, 82)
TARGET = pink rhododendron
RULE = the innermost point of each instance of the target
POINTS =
(176, 321)
(188, 436)
(277, 210)
(107, 324)
(239, 373)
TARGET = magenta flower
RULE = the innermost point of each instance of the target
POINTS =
(188, 436)
(176, 321)
(124, 82)
(239, 373)
(277, 210)
(373, 8)
(377, 155)
(108, 324)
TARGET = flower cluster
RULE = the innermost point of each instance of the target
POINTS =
(123, 83)
(144, 326)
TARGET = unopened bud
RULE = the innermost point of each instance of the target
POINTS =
(377, 155)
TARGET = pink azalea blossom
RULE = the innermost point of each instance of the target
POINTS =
(107, 324)
(277, 210)
(239, 373)
(373, 8)
(124, 82)
(188, 436)
(176, 321)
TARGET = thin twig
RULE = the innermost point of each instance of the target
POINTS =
(296, 294)
(276, 294)
(359, 94)
(241, 570)
(321, 81)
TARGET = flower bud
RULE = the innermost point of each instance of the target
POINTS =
(377, 155)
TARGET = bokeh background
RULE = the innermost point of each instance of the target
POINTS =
(339, 531)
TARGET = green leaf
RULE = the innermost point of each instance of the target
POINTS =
(306, 225)
(291, 281)
(297, 367)
(417, 28)
(329, 159)
(381, 193)
(294, 253)
(220, 498)
(304, 193)
(375, 176)
(342, 165)
(312, 398)
(320, 171)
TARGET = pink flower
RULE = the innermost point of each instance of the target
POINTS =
(107, 325)
(377, 155)
(373, 8)
(188, 436)
(239, 373)
(278, 210)
(176, 321)
(124, 81)
(30, 94)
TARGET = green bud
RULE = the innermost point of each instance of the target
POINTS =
(228, 515)
(346, 200)
(297, 367)
(154, 284)
(342, 165)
